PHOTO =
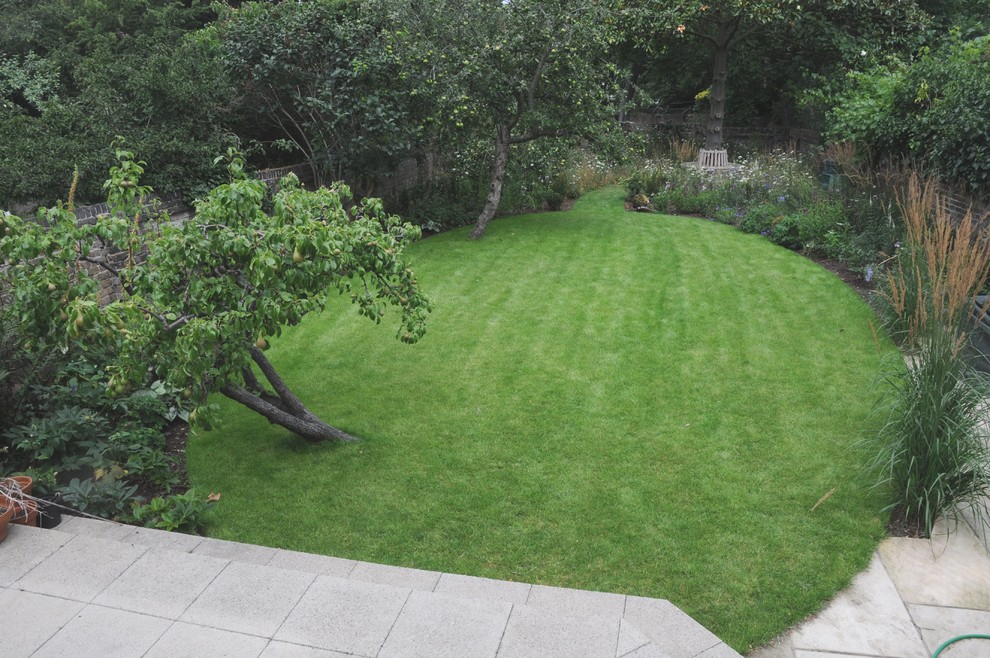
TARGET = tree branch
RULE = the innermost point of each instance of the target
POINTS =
(310, 428)
(292, 403)
(101, 263)
(530, 136)
(534, 84)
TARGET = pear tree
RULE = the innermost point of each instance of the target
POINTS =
(199, 301)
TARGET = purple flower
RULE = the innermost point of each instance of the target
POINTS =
(765, 233)
(869, 273)
(782, 198)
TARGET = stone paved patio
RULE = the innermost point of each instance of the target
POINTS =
(93, 588)
(915, 595)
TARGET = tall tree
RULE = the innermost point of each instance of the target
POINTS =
(513, 71)
(723, 24)
(800, 39)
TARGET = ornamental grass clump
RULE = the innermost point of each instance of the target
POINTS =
(931, 452)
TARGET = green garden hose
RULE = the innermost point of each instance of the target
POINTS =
(969, 636)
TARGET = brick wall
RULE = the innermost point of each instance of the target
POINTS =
(959, 203)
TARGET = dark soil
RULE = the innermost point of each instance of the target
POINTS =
(899, 526)
(853, 279)
(176, 434)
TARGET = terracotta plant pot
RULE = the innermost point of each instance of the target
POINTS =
(23, 482)
(5, 516)
(25, 512)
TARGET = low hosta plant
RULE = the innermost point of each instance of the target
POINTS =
(930, 455)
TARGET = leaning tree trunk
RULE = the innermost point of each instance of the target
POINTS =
(281, 407)
(498, 175)
(716, 117)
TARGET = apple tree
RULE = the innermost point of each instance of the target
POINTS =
(511, 72)
(199, 300)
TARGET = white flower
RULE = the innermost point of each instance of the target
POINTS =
(862, 53)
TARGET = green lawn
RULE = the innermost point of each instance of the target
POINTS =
(604, 400)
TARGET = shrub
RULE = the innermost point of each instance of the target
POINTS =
(935, 110)
(98, 450)
(786, 231)
(822, 228)
(761, 218)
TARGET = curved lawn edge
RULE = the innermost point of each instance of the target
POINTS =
(605, 400)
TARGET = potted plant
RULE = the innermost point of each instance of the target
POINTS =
(6, 513)
(24, 482)
(15, 491)
(49, 499)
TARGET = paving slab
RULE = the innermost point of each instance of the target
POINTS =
(800, 653)
(81, 569)
(98, 632)
(173, 541)
(720, 650)
(473, 587)
(248, 598)
(344, 615)
(779, 647)
(94, 528)
(577, 602)
(940, 624)
(647, 651)
(162, 583)
(232, 550)
(191, 640)
(669, 627)
(25, 548)
(322, 565)
(276, 649)
(384, 574)
(437, 626)
(972, 517)
(947, 571)
(630, 638)
(536, 633)
(30, 619)
(866, 618)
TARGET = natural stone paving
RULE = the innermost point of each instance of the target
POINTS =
(93, 588)
(915, 595)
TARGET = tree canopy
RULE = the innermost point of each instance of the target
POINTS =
(513, 72)
(324, 79)
(72, 75)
